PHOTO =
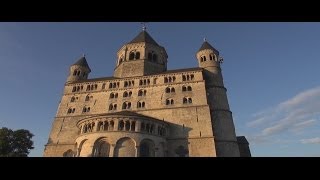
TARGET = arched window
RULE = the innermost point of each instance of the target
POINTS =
(125, 94)
(75, 72)
(167, 90)
(185, 100)
(169, 101)
(131, 56)
(133, 126)
(103, 86)
(137, 56)
(73, 110)
(106, 126)
(192, 76)
(111, 125)
(143, 127)
(112, 107)
(150, 56)
(87, 98)
(189, 88)
(173, 90)
(184, 88)
(140, 104)
(116, 95)
(74, 89)
(111, 95)
(121, 125)
(73, 99)
(148, 127)
(165, 79)
(155, 57)
(127, 125)
(183, 77)
(126, 105)
(110, 85)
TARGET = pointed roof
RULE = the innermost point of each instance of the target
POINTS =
(143, 36)
(206, 45)
(82, 62)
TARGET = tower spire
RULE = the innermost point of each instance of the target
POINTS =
(144, 28)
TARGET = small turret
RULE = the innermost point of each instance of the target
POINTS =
(209, 59)
(79, 70)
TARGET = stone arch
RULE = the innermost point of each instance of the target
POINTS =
(125, 147)
(68, 153)
(147, 148)
(84, 149)
(101, 148)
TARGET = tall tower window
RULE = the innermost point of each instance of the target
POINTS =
(169, 79)
(142, 92)
(113, 95)
(170, 90)
(186, 88)
(127, 94)
(112, 107)
(134, 55)
(126, 105)
(89, 98)
(152, 57)
(137, 56)
(187, 100)
(169, 101)
(203, 58)
(212, 57)
(141, 104)
(131, 56)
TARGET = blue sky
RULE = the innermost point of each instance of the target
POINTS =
(271, 71)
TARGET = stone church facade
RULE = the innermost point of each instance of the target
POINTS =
(145, 110)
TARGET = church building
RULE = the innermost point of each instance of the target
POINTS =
(145, 110)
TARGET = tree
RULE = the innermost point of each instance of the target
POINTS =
(15, 143)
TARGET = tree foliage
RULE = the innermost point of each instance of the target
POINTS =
(15, 143)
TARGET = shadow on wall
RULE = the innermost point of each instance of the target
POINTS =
(178, 143)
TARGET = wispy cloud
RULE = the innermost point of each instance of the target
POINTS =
(311, 141)
(293, 115)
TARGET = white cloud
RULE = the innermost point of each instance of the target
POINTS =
(301, 98)
(293, 115)
(311, 141)
(305, 123)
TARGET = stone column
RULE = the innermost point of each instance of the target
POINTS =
(137, 151)
(138, 125)
(112, 147)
